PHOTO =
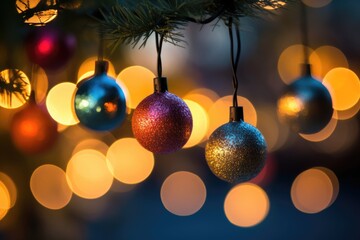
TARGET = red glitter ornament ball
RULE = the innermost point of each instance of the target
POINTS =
(162, 123)
(50, 48)
(33, 131)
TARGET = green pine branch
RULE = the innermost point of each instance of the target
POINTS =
(129, 23)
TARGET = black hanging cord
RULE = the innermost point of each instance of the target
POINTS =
(304, 32)
(159, 43)
(101, 46)
(234, 57)
(208, 20)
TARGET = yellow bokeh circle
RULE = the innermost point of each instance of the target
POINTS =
(246, 205)
(129, 162)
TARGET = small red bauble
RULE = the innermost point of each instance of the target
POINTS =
(33, 131)
(50, 48)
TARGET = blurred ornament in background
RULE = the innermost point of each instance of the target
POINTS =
(15, 88)
(32, 129)
(50, 48)
(100, 103)
(162, 122)
(37, 12)
(306, 105)
(236, 151)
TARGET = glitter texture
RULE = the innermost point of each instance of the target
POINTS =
(162, 123)
(306, 106)
(100, 103)
(236, 152)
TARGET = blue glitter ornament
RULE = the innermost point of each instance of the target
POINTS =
(99, 101)
(236, 151)
(306, 105)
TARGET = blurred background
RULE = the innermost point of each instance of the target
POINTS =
(83, 184)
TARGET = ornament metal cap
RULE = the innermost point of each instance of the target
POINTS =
(236, 114)
(306, 69)
(101, 67)
(160, 84)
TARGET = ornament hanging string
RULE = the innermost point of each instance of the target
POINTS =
(208, 20)
(304, 32)
(235, 57)
(34, 75)
(159, 43)
(101, 46)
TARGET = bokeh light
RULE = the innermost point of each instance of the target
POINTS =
(183, 193)
(219, 112)
(312, 191)
(203, 96)
(331, 57)
(291, 60)
(246, 205)
(38, 18)
(139, 82)
(129, 162)
(11, 187)
(49, 187)
(200, 124)
(269, 127)
(334, 181)
(87, 69)
(91, 143)
(40, 84)
(344, 87)
(324, 133)
(88, 175)
(275, 5)
(316, 3)
(14, 94)
(60, 105)
(348, 113)
(5, 202)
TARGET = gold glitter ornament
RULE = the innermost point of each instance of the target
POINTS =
(236, 151)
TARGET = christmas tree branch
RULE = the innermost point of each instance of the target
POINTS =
(129, 23)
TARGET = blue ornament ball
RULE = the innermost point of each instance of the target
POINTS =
(306, 105)
(236, 152)
(100, 103)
